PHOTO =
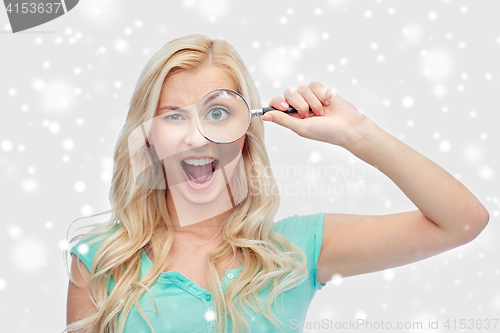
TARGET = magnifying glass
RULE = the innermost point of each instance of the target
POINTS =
(223, 115)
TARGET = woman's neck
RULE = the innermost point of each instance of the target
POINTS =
(203, 230)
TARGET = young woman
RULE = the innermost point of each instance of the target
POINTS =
(151, 268)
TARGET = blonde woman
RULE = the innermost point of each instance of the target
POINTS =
(237, 271)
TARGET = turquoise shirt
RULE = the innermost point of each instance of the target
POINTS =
(186, 307)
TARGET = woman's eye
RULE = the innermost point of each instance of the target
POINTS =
(217, 114)
(174, 116)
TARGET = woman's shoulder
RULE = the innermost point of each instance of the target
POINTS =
(91, 241)
(299, 224)
(305, 231)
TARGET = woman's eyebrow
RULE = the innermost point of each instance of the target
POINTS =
(169, 107)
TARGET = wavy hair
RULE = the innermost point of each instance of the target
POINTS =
(268, 257)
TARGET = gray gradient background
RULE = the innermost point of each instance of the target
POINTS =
(427, 72)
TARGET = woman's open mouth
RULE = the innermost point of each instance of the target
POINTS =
(199, 170)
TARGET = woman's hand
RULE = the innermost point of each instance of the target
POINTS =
(332, 120)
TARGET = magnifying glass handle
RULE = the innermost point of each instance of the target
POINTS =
(270, 108)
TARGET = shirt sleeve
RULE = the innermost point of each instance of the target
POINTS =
(306, 232)
(87, 247)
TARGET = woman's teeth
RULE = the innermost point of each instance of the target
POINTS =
(199, 161)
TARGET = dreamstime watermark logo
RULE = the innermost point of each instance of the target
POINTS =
(31, 13)
(313, 180)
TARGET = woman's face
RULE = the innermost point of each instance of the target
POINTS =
(189, 159)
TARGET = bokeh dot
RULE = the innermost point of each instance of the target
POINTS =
(360, 315)
(29, 185)
(389, 274)
(472, 153)
(407, 101)
(83, 249)
(337, 279)
(63, 244)
(14, 231)
(486, 172)
(121, 45)
(54, 127)
(106, 176)
(80, 186)
(7, 145)
(68, 144)
(315, 157)
(29, 254)
(86, 210)
(444, 146)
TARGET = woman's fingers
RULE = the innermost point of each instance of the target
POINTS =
(307, 97)
(295, 99)
(279, 103)
(322, 92)
(311, 99)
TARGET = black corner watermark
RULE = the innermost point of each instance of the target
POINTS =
(27, 14)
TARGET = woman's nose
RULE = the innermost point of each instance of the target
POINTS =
(194, 137)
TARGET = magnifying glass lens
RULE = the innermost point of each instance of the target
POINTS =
(223, 116)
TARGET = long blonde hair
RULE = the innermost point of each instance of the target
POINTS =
(268, 257)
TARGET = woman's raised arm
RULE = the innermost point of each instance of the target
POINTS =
(448, 214)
